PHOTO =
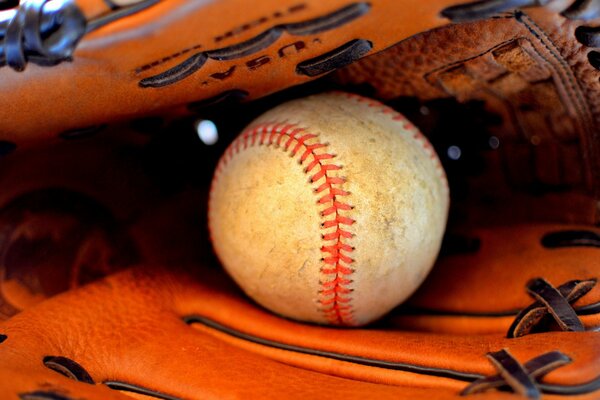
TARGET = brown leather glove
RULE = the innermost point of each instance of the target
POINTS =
(87, 62)
(512, 280)
(171, 334)
(183, 330)
(508, 97)
(527, 80)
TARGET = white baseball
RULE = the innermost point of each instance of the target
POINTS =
(329, 209)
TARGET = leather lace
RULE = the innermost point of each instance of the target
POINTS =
(40, 31)
(521, 378)
(554, 302)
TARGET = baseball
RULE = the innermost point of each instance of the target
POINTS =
(329, 209)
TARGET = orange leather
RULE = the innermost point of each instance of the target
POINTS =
(73, 212)
(130, 328)
(102, 83)
(178, 329)
(529, 68)
(481, 287)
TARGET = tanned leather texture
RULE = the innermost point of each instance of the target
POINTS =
(198, 331)
(531, 75)
(104, 58)
(201, 337)
(144, 57)
(179, 335)
(102, 174)
(477, 288)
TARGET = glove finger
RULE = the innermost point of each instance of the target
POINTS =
(480, 284)
(177, 66)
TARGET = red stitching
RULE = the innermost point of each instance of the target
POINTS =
(334, 295)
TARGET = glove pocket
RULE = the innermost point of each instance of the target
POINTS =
(513, 280)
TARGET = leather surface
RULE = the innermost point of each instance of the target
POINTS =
(105, 80)
(177, 327)
(479, 285)
(531, 69)
(535, 95)
(130, 328)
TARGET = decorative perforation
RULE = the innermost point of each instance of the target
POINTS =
(335, 293)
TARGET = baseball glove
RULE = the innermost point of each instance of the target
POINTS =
(176, 327)
(166, 334)
(102, 170)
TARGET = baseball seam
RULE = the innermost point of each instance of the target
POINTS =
(406, 125)
(335, 293)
